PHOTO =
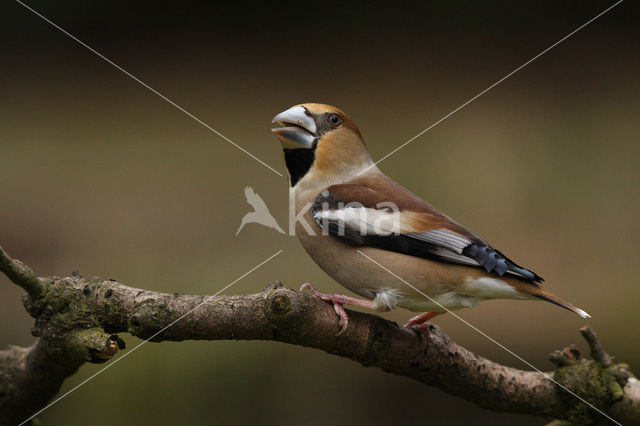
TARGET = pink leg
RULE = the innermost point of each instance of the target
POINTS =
(419, 322)
(338, 300)
(421, 319)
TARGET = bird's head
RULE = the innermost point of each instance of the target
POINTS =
(320, 142)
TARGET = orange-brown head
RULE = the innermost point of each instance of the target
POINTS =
(321, 140)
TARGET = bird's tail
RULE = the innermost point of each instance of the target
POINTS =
(543, 294)
(533, 289)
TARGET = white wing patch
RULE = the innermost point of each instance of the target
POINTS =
(364, 220)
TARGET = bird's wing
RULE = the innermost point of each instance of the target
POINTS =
(255, 200)
(376, 211)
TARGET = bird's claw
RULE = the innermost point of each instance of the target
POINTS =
(322, 296)
(419, 323)
(344, 318)
(335, 300)
(422, 329)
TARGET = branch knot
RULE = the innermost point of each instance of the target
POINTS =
(596, 381)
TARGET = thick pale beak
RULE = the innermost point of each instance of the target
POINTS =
(297, 129)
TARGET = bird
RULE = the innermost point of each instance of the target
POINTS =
(261, 213)
(378, 239)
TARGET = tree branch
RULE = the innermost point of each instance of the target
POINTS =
(20, 274)
(77, 320)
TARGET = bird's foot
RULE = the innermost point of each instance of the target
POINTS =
(419, 323)
(338, 300)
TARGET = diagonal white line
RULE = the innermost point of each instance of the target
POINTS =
(150, 88)
(494, 84)
(154, 335)
(546, 376)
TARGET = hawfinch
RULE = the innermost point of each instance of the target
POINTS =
(378, 239)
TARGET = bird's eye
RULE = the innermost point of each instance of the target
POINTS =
(334, 119)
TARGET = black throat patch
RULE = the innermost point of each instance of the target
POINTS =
(299, 162)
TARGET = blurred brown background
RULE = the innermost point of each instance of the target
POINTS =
(101, 175)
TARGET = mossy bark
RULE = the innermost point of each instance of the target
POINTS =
(77, 321)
